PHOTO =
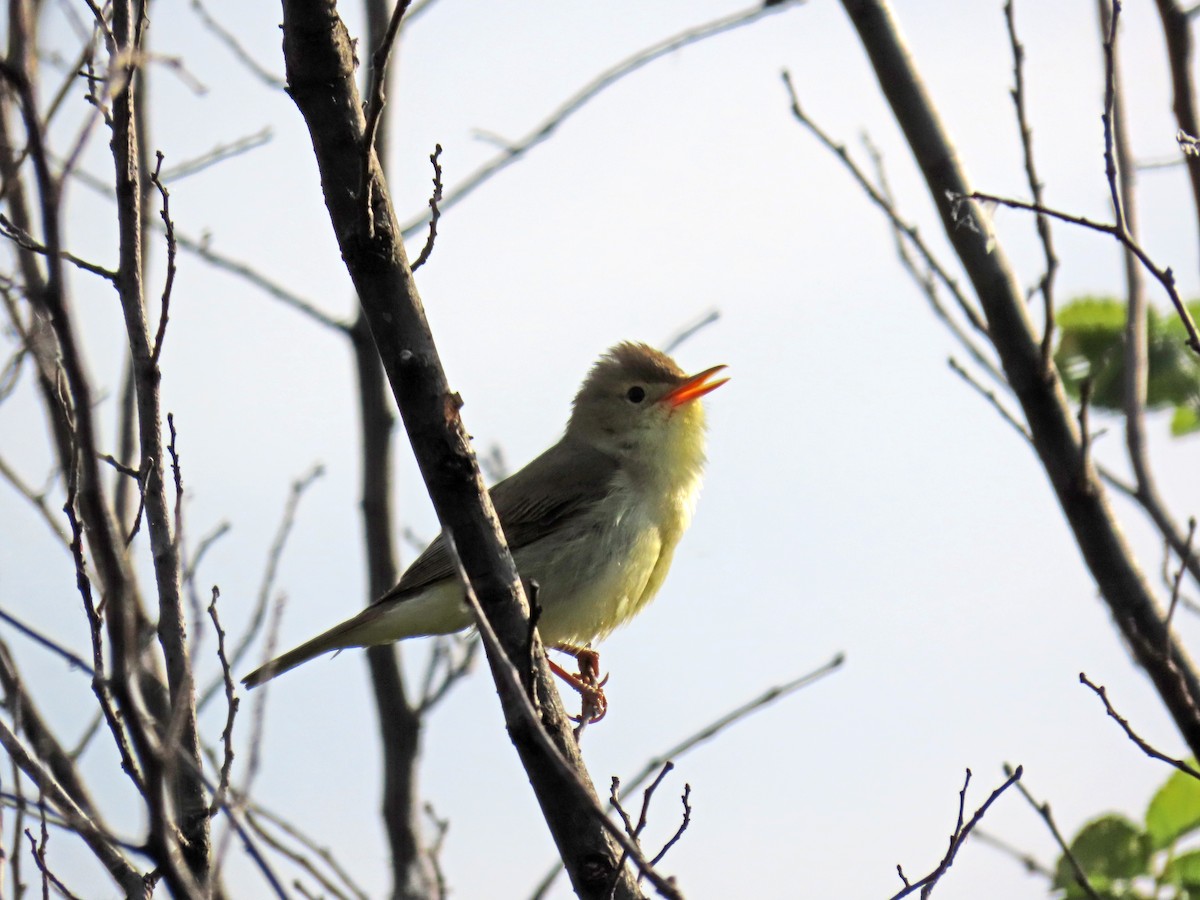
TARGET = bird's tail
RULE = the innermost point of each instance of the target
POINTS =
(348, 634)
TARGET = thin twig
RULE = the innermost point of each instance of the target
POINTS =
(1085, 433)
(453, 670)
(27, 242)
(172, 250)
(876, 197)
(991, 398)
(1150, 751)
(1178, 580)
(1165, 277)
(247, 272)
(243, 56)
(274, 555)
(38, 852)
(255, 812)
(1030, 863)
(1043, 810)
(49, 643)
(433, 851)
(683, 825)
(673, 343)
(36, 498)
(217, 154)
(1046, 285)
(231, 705)
(100, 686)
(1110, 93)
(512, 151)
(97, 838)
(434, 212)
(961, 832)
(376, 98)
(703, 736)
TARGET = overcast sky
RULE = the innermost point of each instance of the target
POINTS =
(859, 498)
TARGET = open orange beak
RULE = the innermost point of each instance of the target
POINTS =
(694, 388)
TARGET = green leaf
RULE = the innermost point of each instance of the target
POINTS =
(1107, 849)
(1184, 872)
(1185, 421)
(1091, 338)
(1087, 312)
(1174, 810)
(1092, 346)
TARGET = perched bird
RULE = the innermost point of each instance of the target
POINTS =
(594, 520)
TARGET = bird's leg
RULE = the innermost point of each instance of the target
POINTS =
(593, 703)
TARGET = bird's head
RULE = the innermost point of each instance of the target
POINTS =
(637, 405)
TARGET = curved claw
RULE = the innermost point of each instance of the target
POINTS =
(594, 705)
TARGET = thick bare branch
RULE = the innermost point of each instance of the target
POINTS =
(320, 66)
(1079, 490)
(188, 809)
(1177, 33)
(1123, 184)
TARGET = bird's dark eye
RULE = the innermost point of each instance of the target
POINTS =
(635, 394)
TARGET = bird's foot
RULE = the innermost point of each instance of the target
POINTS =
(593, 703)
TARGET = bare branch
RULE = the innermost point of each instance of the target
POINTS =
(683, 825)
(1165, 277)
(703, 736)
(26, 242)
(880, 200)
(1177, 34)
(256, 812)
(1043, 810)
(1122, 182)
(38, 851)
(512, 151)
(102, 845)
(961, 832)
(1178, 580)
(36, 498)
(217, 155)
(1046, 285)
(267, 585)
(991, 398)
(375, 102)
(248, 273)
(434, 212)
(172, 249)
(231, 704)
(321, 79)
(1150, 751)
(671, 344)
(513, 695)
(227, 37)
(49, 643)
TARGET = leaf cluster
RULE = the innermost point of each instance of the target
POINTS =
(1092, 344)
(1150, 861)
